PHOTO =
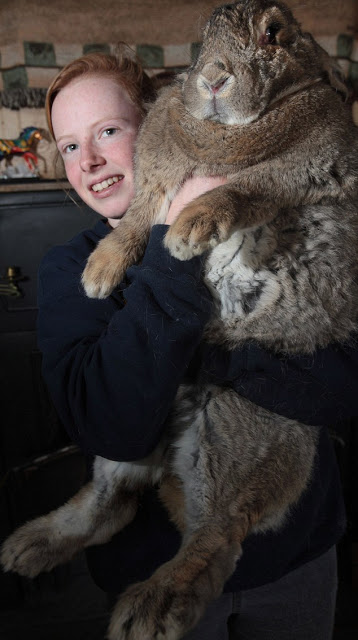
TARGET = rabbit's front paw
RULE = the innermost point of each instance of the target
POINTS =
(103, 271)
(34, 548)
(151, 611)
(195, 231)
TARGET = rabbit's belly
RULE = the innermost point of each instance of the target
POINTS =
(236, 271)
(108, 474)
(258, 299)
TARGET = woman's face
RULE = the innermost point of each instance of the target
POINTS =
(95, 126)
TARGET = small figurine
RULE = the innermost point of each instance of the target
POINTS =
(25, 146)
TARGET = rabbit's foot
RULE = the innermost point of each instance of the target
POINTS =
(104, 269)
(153, 610)
(37, 547)
(196, 230)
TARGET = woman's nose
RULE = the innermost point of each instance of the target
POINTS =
(90, 157)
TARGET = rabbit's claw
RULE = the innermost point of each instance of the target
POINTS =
(103, 272)
(150, 611)
(31, 549)
(193, 234)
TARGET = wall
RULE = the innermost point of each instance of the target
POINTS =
(39, 36)
(152, 21)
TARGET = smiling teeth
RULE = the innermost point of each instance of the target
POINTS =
(106, 183)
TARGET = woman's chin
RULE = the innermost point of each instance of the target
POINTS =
(114, 220)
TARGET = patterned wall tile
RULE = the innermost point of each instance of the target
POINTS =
(328, 43)
(12, 55)
(89, 48)
(41, 77)
(150, 55)
(34, 64)
(353, 76)
(15, 78)
(194, 50)
(10, 126)
(177, 55)
(113, 47)
(23, 97)
(65, 53)
(354, 55)
(39, 54)
(344, 45)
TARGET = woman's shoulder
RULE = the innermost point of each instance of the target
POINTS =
(73, 254)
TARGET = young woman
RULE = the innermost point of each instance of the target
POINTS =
(113, 367)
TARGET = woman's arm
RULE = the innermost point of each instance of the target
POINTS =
(318, 389)
(112, 369)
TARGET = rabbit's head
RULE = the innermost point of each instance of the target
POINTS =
(253, 54)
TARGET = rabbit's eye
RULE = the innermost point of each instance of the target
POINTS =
(271, 33)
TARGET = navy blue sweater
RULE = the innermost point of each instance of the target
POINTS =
(113, 367)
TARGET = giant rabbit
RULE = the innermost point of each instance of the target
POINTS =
(264, 106)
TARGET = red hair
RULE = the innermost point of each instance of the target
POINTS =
(123, 66)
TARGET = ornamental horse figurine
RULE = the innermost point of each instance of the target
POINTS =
(25, 145)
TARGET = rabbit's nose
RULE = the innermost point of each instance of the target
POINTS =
(215, 88)
(214, 77)
(214, 85)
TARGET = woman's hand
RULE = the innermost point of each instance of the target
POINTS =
(191, 189)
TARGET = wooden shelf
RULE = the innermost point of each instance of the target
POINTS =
(32, 184)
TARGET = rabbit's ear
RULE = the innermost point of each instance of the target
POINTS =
(183, 76)
(335, 75)
(331, 70)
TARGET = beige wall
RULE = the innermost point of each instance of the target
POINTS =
(145, 21)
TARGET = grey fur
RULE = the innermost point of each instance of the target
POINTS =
(281, 238)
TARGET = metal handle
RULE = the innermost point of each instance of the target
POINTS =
(9, 283)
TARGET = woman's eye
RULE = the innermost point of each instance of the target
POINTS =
(69, 148)
(110, 131)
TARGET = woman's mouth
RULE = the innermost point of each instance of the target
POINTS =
(99, 186)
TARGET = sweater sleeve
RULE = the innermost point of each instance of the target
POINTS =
(113, 367)
(318, 389)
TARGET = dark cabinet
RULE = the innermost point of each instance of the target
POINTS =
(39, 467)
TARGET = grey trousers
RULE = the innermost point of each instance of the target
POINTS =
(299, 606)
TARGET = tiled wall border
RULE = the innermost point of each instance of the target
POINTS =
(34, 64)
(27, 68)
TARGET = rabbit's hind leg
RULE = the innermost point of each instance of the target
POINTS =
(239, 468)
(100, 509)
(173, 600)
